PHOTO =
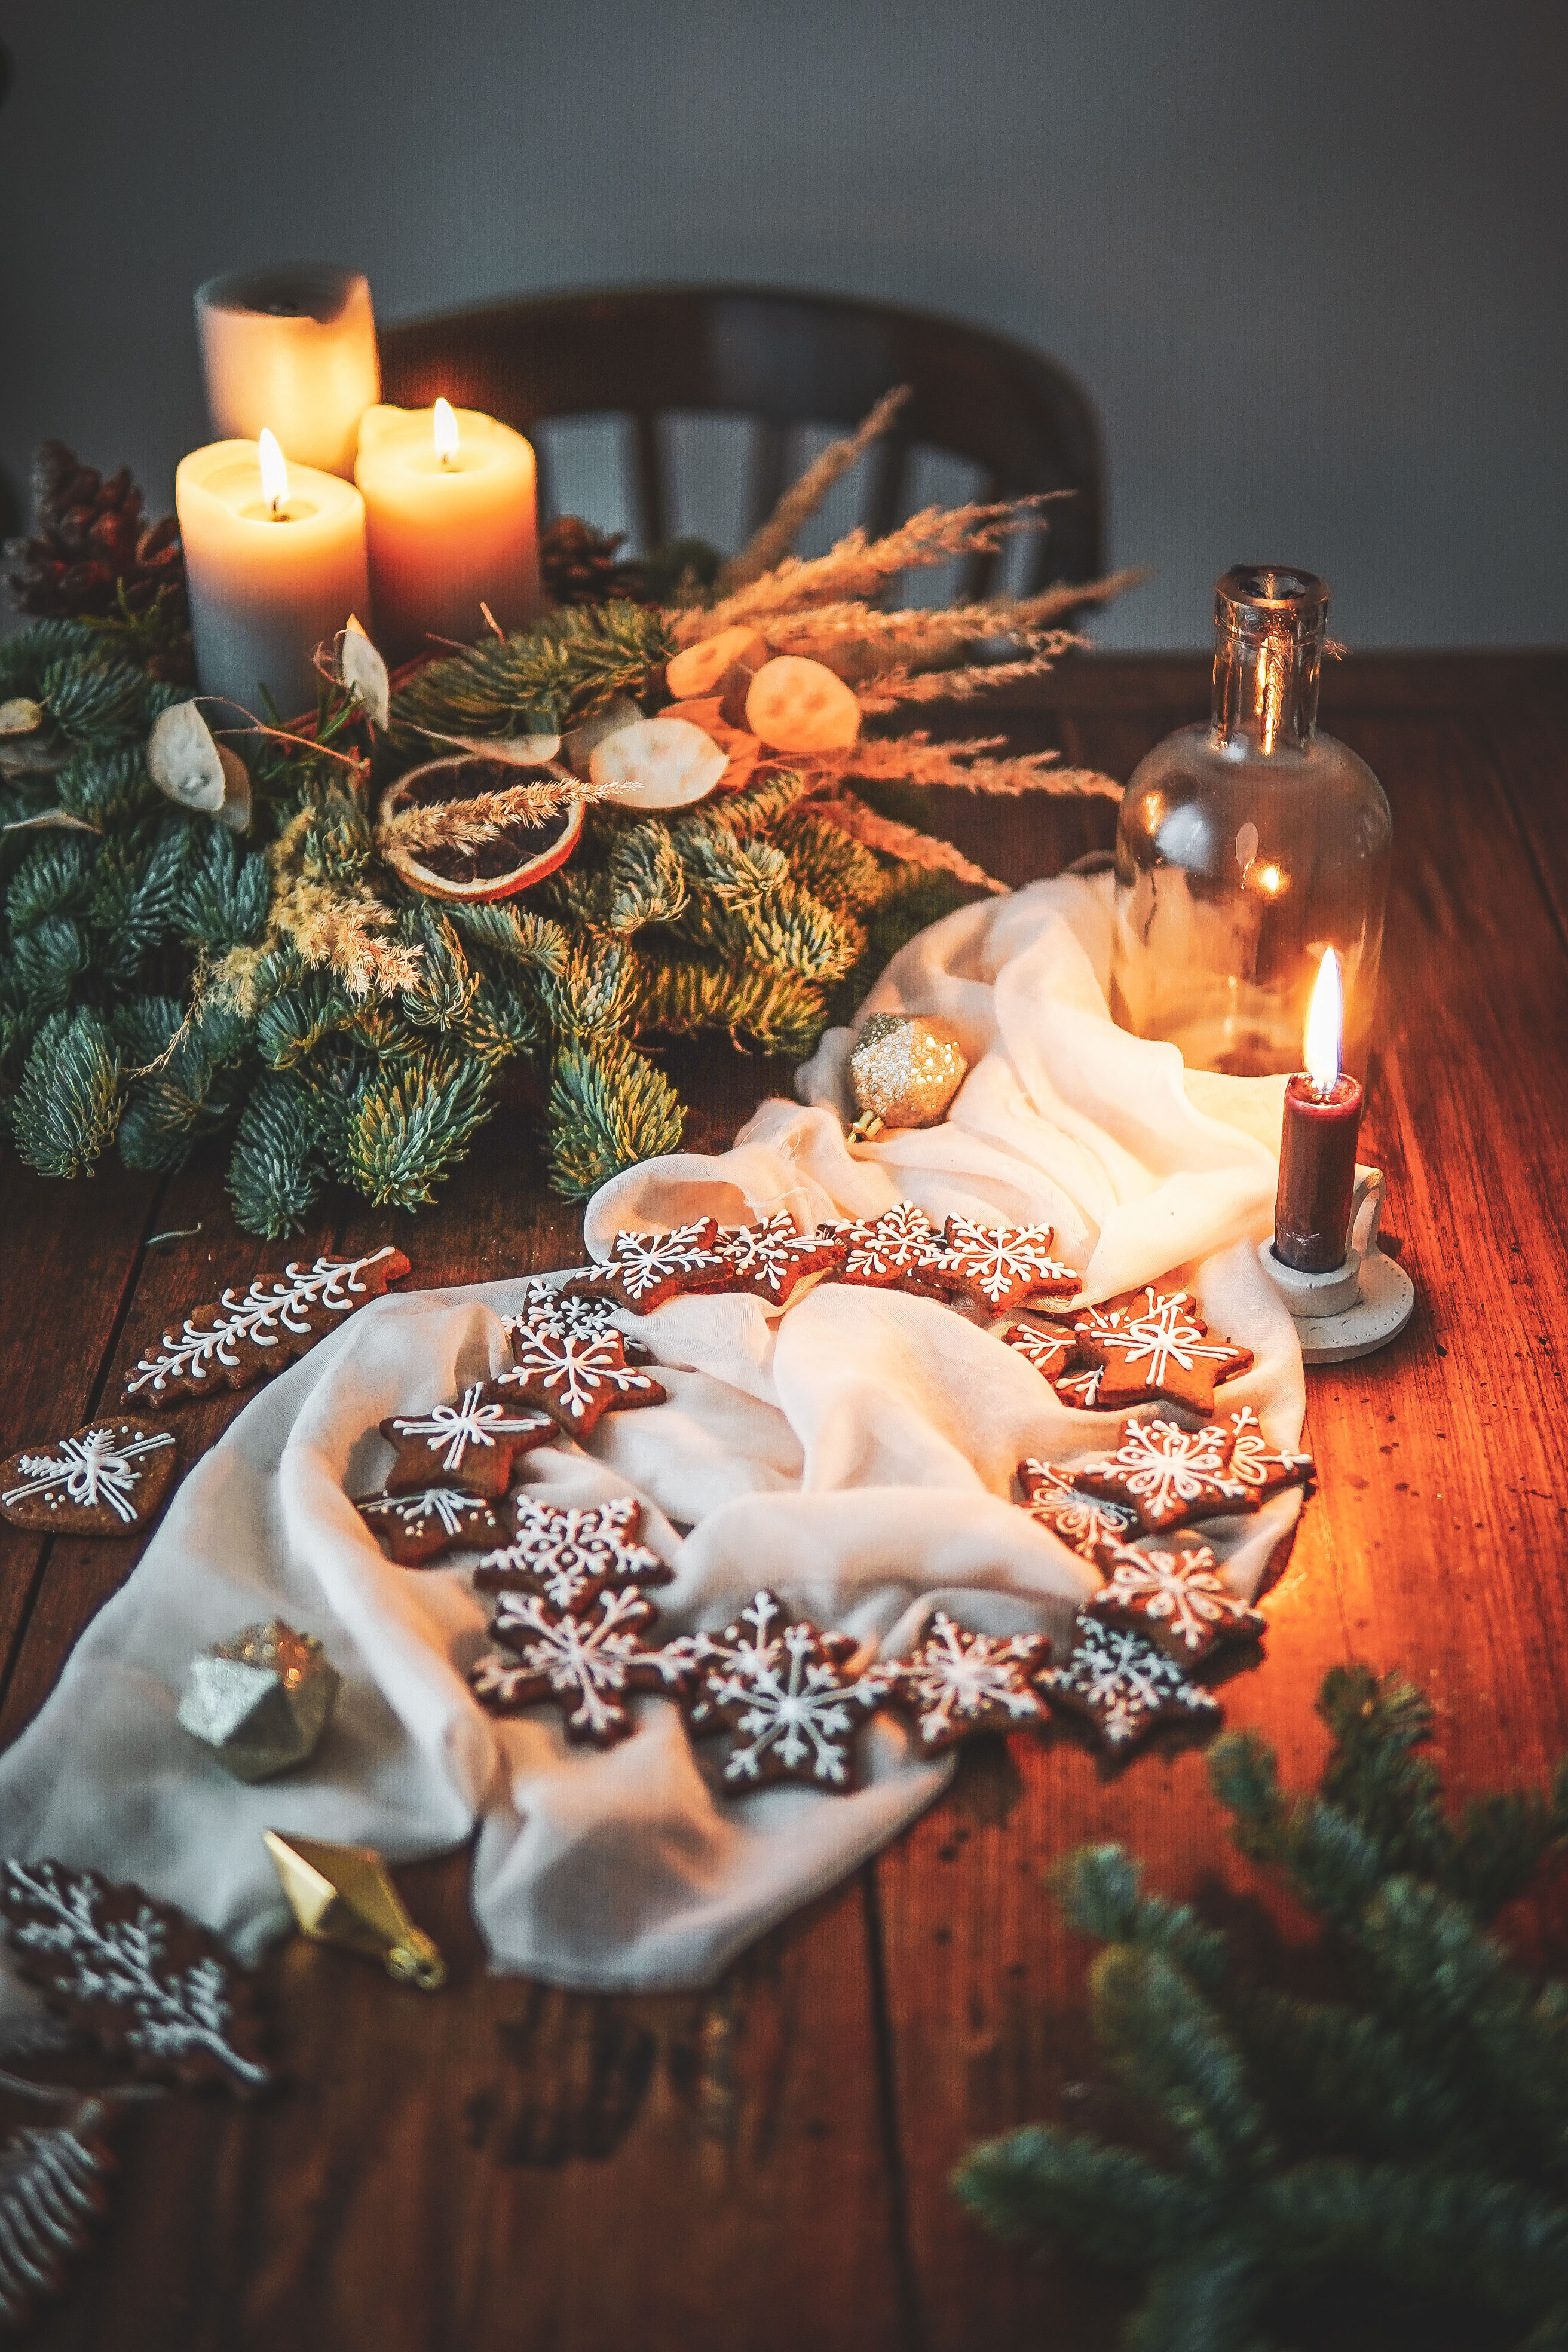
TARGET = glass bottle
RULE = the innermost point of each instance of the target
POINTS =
(1247, 847)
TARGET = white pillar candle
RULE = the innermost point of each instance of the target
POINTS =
(292, 348)
(274, 566)
(452, 524)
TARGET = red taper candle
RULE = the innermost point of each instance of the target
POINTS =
(1317, 1144)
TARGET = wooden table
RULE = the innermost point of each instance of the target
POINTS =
(765, 2165)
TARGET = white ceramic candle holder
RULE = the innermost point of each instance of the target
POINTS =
(1355, 1307)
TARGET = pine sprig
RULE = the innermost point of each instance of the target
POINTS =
(1412, 2140)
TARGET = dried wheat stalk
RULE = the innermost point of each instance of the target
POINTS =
(898, 687)
(772, 542)
(462, 825)
(916, 760)
(902, 841)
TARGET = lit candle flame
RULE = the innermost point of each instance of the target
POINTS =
(274, 472)
(1325, 1018)
(446, 428)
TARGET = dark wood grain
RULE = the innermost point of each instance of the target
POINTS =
(767, 2164)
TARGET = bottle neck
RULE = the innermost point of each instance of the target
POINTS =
(1268, 649)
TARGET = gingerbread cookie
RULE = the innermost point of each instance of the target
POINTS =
(472, 1443)
(1052, 1351)
(414, 1529)
(1085, 1523)
(581, 1308)
(782, 1690)
(1160, 1349)
(958, 1683)
(1175, 1594)
(1168, 1474)
(1123, 1684)
(769, 1258)
(578, 1381)
(892, 1252)
(589, 1666)
(568, 1554)
(647, 1268)
(242, 1338)
(105, 1479)
(1262, 1467)
(1080, 1391)
(1001, 1267)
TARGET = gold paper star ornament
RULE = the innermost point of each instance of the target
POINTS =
(343, 1895)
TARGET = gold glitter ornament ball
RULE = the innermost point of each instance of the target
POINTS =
(905, 1070)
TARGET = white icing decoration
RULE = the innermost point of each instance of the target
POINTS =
(1162, 1336)
(795, 1706)
(1179, 1588)
(448, 1505)
(1124, 1680)
(646, 1261)
(572, 1552)
(591, 1664)
(450, 1430)
(1004, 1263)
(768, 1252)
(956, 1679)
(90, 1470)
(899, 1242)
(1082, 1521)
(1167, 1468)
(575, 1372)
(273, 1302)
(1254, 1461)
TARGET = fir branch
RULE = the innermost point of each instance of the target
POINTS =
(609, 1108)
(412, 1122)
(68, 1106)
(679, 996)
(914, 759)
(566, 668)
(904, 842)
(275, 1171)
(775, 537)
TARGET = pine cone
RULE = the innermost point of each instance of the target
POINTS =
(91, 546)
(578, 566)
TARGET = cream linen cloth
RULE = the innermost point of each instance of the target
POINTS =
(854, 1453)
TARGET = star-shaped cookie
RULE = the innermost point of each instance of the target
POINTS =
(578, 1381)
(1123, 1684)
(1262, 1467)
(781, 1686)
(1155, 1345)
(1001, 1267)
(958, 1683)
(569, 1555)
(644, 1269)
(1174, 1592)
(1051, 1349)
(767, 1259)
(585, 1306)
(590, 1665)
(893, 1252)
(1169, 1475)
(470, 1444)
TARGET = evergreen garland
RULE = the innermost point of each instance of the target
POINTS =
(1410, 2141)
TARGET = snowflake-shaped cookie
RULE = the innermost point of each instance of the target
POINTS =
(892, 1252)
(769, 1258)
(577, 1379)
(106, 1479)
(473, 1443)
(1001, 1267)
(957, 1683)
(590, 1666)
(1085, 1523)
(782, 1688)
(569, 1555)
(1176, 1594)
(1264, 1467)
(1168, 1475)
(1050, 1352)
(1161, 1349)
(415, 1529)
(1124, 1685)
(647, 1268)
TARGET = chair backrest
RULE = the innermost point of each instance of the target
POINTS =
(781, 361)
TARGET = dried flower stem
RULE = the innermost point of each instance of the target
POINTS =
(461, 825)
(770, 543)
(916, 760)
(904, 842)
(897, 686)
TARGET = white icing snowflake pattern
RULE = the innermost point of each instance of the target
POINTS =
(1123, 1683)
(1005, 1266)
(580, 1377)
(958, 1682)
(891, 1248)
(90, 1470)
(570, 1554)
(682, 1259)
(1181, 1593)
(450, 1430)
(589, 1666)
(772, 1256)
(1049, 1351)
(792, 1709)
(1168, 1473)
(273, 1305)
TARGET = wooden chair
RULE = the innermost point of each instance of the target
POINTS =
(781, 361)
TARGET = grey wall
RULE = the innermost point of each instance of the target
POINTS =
(1307, 261)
